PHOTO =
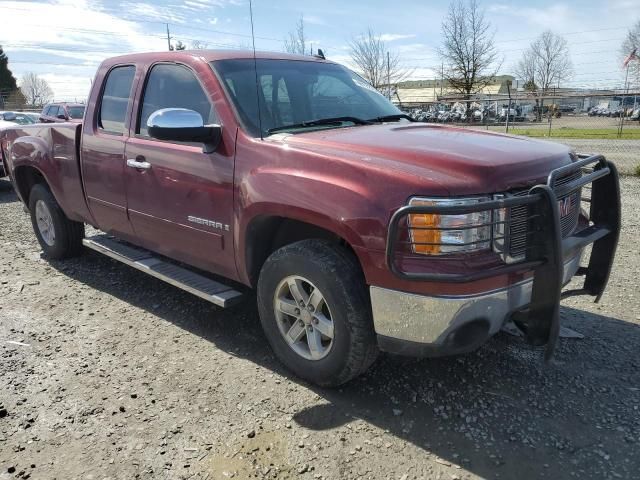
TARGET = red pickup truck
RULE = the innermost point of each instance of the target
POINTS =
(360, 229)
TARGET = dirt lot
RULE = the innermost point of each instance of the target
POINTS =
(106, 373)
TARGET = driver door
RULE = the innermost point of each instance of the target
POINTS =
(180, 203)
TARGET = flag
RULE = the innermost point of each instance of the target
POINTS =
(630, 57)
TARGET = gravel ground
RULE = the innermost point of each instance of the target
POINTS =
(109, 374)
(625, 153)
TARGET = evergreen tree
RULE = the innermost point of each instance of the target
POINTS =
(7, 80)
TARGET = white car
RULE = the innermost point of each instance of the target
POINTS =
(18, 118)
(3, 124)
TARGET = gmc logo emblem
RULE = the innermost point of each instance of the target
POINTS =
(564, 206)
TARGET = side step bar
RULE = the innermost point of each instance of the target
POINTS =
(145, 261)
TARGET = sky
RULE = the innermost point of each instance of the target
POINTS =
(65, 40)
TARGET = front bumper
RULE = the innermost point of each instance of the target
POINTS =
(419, 325)
(414, 324)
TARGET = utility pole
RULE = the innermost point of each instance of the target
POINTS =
(168, 38)
(626, 90)
(388, 76)
(441, 77)
(508, 107)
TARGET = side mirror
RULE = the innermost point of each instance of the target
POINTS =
(184, 125)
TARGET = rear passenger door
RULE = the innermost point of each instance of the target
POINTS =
(102, 152)
(181, 203)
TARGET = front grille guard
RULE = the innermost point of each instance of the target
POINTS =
(546, 248)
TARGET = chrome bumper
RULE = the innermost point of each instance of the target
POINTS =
(422, 325)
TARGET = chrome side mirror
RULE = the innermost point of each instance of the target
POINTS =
(183, 125)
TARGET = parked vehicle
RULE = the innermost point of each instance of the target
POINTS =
(62, 112)
(5, 123)
(361, 230)
(18, 118)
(35, 117)
(479, 115)
(568, 108)
(503, 114)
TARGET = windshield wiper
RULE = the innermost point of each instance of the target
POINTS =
(391, 118)
(322, 121)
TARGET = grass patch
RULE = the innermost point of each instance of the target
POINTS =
(637, 171)
(632, 133)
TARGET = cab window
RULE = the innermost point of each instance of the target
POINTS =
(173, 86)
(115, 99)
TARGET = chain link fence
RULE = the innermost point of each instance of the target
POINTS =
(606, 123)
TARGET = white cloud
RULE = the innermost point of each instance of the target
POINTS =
(390, 37)
(150, 11)
(314, 20)
(88, 36)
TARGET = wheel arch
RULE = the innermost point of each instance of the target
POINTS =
(25, 177)
(267, 233)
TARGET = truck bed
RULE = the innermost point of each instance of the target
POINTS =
(53, 151)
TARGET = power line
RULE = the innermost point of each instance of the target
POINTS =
(564, 34)
(137, 20)
(56, 64)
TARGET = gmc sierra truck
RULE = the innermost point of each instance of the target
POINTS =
(361, 230)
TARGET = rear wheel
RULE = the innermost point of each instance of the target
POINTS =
(315, 312)
(58, 236)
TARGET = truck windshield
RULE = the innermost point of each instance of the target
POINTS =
(297, 95)
(75, 112)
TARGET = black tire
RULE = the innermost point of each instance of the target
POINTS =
(68, 234)
(336, 273)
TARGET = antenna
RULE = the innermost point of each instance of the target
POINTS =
(255, 68)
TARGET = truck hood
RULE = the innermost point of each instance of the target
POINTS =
(461, 160)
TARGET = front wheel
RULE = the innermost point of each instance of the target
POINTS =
(58, 236)
(316, 313)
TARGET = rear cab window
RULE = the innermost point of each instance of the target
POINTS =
(115, 100)
(76, 111)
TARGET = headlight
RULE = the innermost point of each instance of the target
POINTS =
(434, 234)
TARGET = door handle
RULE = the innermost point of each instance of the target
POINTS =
(139, 165)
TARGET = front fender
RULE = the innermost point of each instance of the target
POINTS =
(335, 204)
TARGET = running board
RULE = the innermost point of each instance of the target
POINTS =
(145, 261)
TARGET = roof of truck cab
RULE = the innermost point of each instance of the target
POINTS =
(66, 104)
(210, 55)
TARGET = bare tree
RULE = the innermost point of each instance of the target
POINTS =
(199, 45)
(297, 41)
(375, 63)
(631, 42)
(468, 53)
(36, 90)
(544, 65)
